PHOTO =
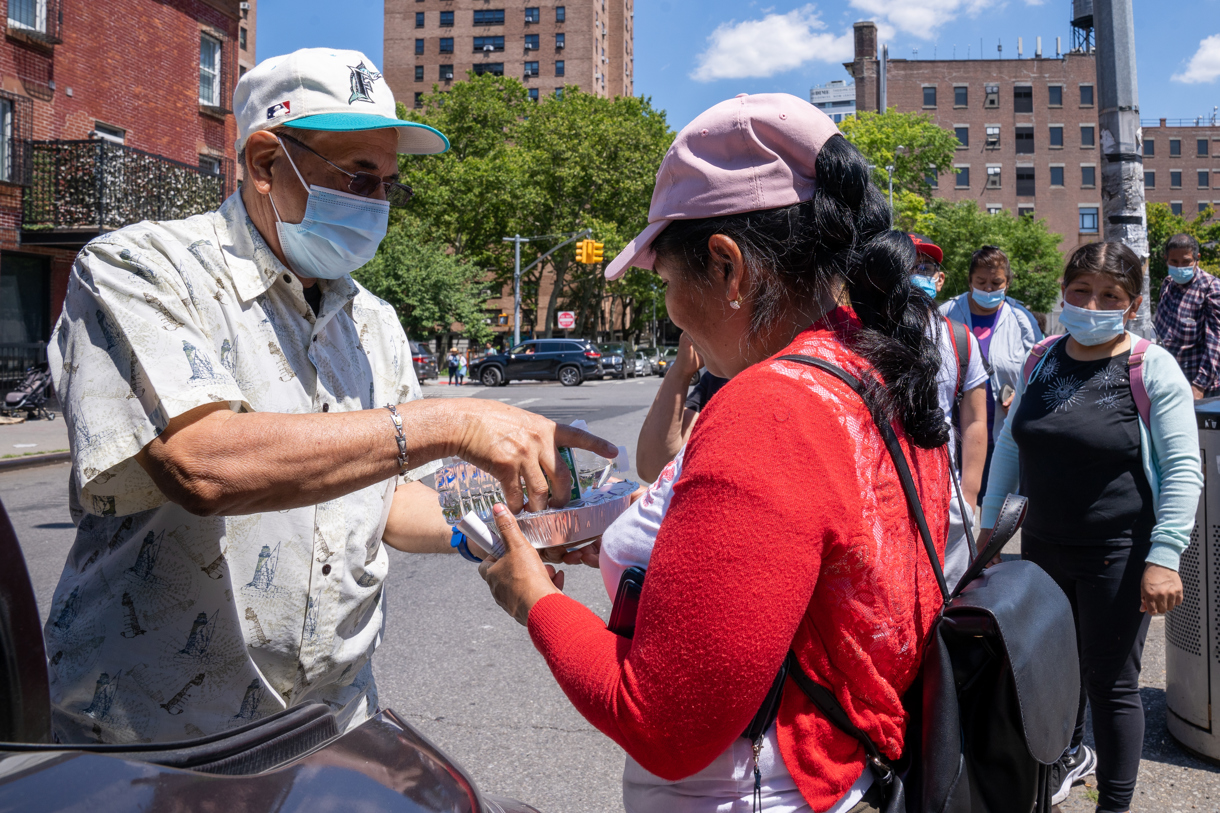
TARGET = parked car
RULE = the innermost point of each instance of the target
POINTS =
(295, 761)
(424, 361)
(664, 359)
(642, 365)
(570, 361)
(618, 358)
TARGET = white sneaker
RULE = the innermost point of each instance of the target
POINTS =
(1070, 769)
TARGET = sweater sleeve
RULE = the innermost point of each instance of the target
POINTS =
(1175, 456)
(1004, 474)
(731, 576)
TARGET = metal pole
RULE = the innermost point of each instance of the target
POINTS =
(517, 292)
(1122, 169)
(889, 173)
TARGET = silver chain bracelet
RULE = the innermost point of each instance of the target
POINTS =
(400, 437)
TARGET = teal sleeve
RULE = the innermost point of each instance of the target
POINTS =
(1003, 476)
(1175, 457)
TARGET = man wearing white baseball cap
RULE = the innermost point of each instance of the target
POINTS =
(247, 429)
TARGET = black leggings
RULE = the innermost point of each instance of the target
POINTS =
(1102, 582)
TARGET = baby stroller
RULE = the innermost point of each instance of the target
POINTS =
(31, 395)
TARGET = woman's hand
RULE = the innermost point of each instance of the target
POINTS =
(1160, 590)
(519, 578)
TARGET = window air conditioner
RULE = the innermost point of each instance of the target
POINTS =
(245, 6)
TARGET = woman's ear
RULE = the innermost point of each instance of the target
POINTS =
(1134, 310)
(727, 263)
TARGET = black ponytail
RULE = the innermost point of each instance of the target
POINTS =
(842, 233)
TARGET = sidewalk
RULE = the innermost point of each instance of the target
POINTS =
(32, 442)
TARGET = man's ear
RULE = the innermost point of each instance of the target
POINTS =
(262, 148)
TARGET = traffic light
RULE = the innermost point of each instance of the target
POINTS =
(594, 251)
(580, 251)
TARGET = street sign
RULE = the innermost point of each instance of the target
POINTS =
(566, 320)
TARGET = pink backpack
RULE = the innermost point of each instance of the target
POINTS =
(1135, 372)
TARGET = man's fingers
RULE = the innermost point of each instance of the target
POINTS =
(561, 478)
(568, 436)
(535, 482)
(506, 524)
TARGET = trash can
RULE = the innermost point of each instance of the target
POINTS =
(1192, 631)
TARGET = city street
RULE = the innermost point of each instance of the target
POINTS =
(454, 665)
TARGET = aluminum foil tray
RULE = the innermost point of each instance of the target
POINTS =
(578, 521)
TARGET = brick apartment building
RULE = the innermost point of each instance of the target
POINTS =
(586, 43)
(111, 112)
(1182, 164)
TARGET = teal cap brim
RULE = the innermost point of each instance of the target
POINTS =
(413, 138)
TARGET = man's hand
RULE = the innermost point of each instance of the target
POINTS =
(515, 446)
(519, 579)
(1160, 590)
(1198, 392)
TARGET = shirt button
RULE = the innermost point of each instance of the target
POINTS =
(326, 407)
(325, 570)
(287, 278)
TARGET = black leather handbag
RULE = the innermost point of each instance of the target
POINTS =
(994, 704)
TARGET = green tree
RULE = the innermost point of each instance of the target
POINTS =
(1163, 224)
(961, 228)
(928, 148)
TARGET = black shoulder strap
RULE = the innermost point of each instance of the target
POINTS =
(961, 349)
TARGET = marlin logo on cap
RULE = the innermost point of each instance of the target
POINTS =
(362, 83)
(281, 109)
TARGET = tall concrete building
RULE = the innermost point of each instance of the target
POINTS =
(586, 43)
(1182, 164)
(836, 99)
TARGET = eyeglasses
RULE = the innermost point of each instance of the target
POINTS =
(927, 269)
(364, 184)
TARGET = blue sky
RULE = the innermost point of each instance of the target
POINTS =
(691, 54)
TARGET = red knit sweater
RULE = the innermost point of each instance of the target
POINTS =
(787, 528)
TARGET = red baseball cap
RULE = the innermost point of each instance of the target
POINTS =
(930, 250)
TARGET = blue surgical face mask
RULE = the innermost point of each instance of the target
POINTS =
(987, 299)
(1181, 274)
(1092, 327)
(925, 284)
(339, 233)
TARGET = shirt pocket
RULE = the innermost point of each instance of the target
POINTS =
(1189, 329)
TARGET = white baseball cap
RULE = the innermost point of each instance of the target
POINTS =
(325, 89)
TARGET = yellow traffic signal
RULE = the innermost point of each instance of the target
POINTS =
(580, 252)
(594, 251)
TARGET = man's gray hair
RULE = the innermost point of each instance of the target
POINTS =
(1183, 241)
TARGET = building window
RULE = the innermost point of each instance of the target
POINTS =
(932, 178)
(1057, 175)
(419, 101)
(1150, 179)
(558, 93)
(1203, 179)
(531, 68)
(446, 45)
(1086, 96)
(1088, 219)
(419, 19)
(1203, 206)
(1025, 182)
(209, 165)
(993, 137)
(1176, 208)
(991, 97)
(1175, 147)
(1149, 147)
(963, 178)
(1025, 211)
(241, 39)
(1025, 140)
(963, 137)
(209, 71)
(961, 96)
(447, 19)
(560, 14)
(559, 67)
(446, 73)
(994, 208)
(533, 14)
(494, 68)
(1022, 99)
(419, 47)
(993, 177)
(1175, 179)
(534, 93)
(1201, 148)
(531, 42)
(6, 139)
(30, 15)
(929, 97)
(1056, 136)
(489, 17)
(1087, 135)
(489, 43)
(1054, 96)
(1088, 177)
(419, 73)
(559, 41)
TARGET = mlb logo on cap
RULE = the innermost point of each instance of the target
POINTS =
(325, 89)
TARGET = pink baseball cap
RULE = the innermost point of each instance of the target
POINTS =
(746, 154)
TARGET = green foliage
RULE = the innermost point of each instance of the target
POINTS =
(962, 228)
(878, 136)
(430, 288)
(1163, 224)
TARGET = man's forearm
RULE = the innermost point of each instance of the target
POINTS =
(665, 428)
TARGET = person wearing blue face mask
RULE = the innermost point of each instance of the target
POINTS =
(248, 430)
(1188, 316)
(1102, 440)
(1005, 330)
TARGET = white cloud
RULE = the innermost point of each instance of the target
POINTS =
(774, 44)
(1204, 65)
(922, 18)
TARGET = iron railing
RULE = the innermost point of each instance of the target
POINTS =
(98, 186)
(16, 358)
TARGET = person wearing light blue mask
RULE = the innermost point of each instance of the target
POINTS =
(1188, 315)
(1102, 440)
(273, 432)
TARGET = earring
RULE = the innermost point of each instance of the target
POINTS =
(735, 304)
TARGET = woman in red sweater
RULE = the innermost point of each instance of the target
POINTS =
(782, 524)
